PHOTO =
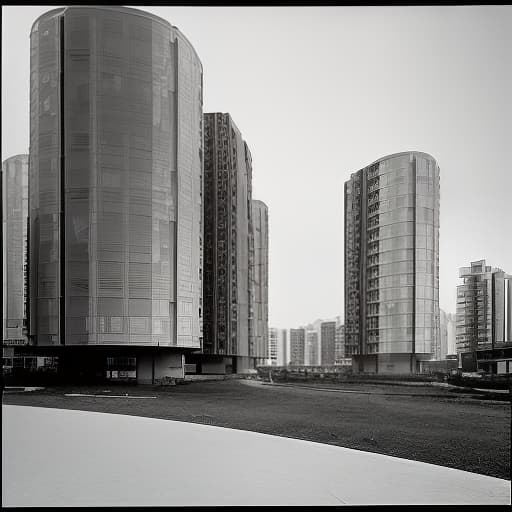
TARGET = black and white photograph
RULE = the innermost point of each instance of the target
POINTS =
(256, 255)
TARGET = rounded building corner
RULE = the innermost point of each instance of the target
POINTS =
(46, 15)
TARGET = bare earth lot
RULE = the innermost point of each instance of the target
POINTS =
(426, 424)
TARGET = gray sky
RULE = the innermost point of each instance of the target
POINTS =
(320, 92)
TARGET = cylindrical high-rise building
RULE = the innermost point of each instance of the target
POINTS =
(14, 249)
(260, 279)
(115, 180)
(392, 263)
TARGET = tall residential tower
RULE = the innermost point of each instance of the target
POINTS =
(260, 278)
(229, 247)
(115, 189)
(14, 249)
(392, 263)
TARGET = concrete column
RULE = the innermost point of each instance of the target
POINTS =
(155, 366)
(169, 365)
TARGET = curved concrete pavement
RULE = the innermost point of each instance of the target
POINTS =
(55, 457)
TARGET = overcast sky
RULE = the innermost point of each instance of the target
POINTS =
(320, 92)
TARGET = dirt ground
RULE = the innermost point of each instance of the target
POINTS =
(427, 424)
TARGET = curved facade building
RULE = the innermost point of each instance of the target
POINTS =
(115, 180)
(260, 279)
(14, 249)
(392, 263)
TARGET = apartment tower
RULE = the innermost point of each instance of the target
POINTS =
(328, 343)
(14, 250)
(484, 319)
(277, 347)
(115, 191)
(312, 352)
(297, 346)
(392, 263)
(259, 277)
(339, 345)
(229, 326)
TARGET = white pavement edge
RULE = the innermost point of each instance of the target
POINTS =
(56, 457)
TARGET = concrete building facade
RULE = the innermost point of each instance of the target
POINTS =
(115, 179)
(14, 250)
(484, 319)
(392, 263)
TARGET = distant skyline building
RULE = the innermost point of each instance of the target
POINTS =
(392, 263)
(312, 352)
(484, 319)
(283, 348)
(447, 331)
(229, 292)
(297, 346)
(277, 347)
(328, 343)
(339, 345)
(115, 190)
(259, 276)
(317, 327)
(14, 250)
(273, 334)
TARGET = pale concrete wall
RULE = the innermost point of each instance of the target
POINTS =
(170, 365)
(166, 364)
